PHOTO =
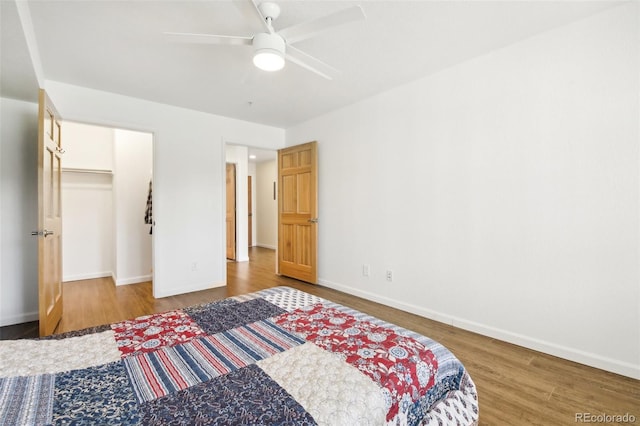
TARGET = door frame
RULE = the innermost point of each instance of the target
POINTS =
(156, 189)
(241, 202)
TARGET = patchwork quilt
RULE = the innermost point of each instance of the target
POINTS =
(277, 356)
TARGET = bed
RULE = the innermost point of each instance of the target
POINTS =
(277, 356)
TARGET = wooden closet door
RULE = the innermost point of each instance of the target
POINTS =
(250, 204)
(49, 216)
(231, 211)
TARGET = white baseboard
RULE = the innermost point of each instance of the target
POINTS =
(267, 246)
(18, 319)
(561, 351)
(89, 276)
(571, 354)
(132, 280)
(181, 290)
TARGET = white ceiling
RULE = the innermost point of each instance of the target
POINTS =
(17, 77)
(117, 46)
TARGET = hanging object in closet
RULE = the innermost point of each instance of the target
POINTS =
(148, 215)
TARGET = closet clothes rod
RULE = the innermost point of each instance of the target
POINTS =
(96, 171)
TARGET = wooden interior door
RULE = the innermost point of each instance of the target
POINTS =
(298, 212)
(250, 205)
(49, 216)
(231, 211)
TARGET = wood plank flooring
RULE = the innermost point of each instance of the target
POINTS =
(516, 386)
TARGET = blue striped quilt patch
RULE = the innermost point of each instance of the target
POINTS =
(26, 400)
(171, 369)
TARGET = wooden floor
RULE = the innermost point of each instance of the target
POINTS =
(516, 386)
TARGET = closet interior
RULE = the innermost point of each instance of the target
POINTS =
(106, 180)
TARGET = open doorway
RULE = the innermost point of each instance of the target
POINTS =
(106, 185)
(264, 170)
(255, 199)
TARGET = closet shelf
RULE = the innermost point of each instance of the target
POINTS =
(96, 171)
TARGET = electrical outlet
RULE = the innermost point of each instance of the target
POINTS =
(194, 266)
(366, 270)
(389, 275)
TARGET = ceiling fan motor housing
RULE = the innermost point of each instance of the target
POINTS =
(268, 41)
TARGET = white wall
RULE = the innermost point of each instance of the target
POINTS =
(188, 177)
(18, 211)
(87, 147)
(502, 192)
(87, 202)
(87, 240)
(133, 163)
(266, 206)
(239, 155)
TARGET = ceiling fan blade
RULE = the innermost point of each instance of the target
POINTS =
(297, 56)
(308, 29)
(248, 11)
(209, 38)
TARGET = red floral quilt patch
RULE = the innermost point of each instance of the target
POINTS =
(148, 333)
(402, 366)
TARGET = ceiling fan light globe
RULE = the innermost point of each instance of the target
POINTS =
(268, 60)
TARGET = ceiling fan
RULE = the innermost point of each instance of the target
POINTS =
(272, 47)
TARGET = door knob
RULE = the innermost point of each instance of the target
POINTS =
(47, 233)
(314, 220)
